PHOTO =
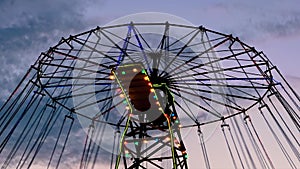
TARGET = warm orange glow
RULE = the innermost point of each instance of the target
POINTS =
(152, 90)
(112, 77)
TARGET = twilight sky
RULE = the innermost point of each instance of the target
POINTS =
(29, 27)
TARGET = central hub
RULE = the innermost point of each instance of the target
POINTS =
(147, 93)
(139, 90)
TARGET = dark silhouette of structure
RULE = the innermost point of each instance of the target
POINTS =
(136, 93)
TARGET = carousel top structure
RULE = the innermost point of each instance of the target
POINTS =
(142, 88)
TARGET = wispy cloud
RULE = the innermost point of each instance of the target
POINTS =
(30, 27)
(254, 19)
(285, 25)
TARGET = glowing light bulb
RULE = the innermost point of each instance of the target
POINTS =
(152, 90)
(134, 70)
(122, 95)
(112, 77)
